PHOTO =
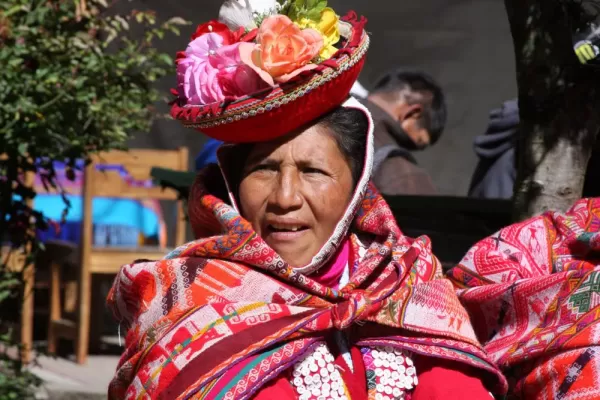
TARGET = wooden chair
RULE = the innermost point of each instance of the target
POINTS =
(16, 261)
(108, 260)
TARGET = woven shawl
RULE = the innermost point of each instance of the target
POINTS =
(221, 316)
(533, 293)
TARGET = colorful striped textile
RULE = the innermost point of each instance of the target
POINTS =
(533, 293)
(221, 316)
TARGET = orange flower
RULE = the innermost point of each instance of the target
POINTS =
(283, 50)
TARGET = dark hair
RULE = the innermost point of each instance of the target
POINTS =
(435, 112)
(349, 127)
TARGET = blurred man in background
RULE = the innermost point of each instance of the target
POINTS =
(409, 111)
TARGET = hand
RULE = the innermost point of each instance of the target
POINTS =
(586, 51)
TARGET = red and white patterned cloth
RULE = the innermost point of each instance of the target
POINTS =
(226, 317)
(533, 294)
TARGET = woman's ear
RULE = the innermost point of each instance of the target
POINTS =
(410, 111)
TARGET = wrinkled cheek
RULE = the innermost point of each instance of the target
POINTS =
(329, 215)
(330, 204)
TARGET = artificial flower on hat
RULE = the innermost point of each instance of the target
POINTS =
(219, 28)
(264, 58)
(282, 50)
(217, 67)
(210, 70)
(316, 15)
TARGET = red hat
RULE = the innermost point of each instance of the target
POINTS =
(257, 82)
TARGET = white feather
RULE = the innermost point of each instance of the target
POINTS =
(236, 14)
(240, 13)
(263, 6)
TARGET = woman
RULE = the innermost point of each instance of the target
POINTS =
(300, 285)
(272, 266)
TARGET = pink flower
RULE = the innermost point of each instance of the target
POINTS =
(210, 72)
(283, 50)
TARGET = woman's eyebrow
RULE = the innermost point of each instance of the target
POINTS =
(310, 164)
(255, 157)
(261, 159)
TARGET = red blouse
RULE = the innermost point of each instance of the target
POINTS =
(438, 379)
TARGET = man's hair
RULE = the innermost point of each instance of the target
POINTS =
(416, 87)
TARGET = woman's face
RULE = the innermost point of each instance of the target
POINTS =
(294, 191)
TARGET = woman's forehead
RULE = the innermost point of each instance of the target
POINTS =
(312, 143)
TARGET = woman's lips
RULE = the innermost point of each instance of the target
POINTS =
(286, 233)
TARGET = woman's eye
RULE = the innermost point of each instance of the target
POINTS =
(264, 167)
(313, 171)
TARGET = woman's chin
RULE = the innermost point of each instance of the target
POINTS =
(295, 257)
(295, 248)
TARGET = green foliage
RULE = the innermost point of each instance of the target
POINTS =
(73, 82)
(298, 9)
(16, 382)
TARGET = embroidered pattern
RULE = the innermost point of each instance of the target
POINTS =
(533, 293)
(206, 301)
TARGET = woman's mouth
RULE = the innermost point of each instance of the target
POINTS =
(286, 228)
(285, 232)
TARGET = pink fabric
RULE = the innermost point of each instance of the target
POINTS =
(331, 273)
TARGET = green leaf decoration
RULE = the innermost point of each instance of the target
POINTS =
(314, 15)
(310, 9)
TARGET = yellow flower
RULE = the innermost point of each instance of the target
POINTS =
(328, 27)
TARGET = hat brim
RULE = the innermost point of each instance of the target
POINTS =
(285, 108)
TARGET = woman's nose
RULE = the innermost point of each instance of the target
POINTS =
(286, 194)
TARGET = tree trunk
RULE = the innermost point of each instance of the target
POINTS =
(559, 106)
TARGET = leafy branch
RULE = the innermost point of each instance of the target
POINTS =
(74, 81)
